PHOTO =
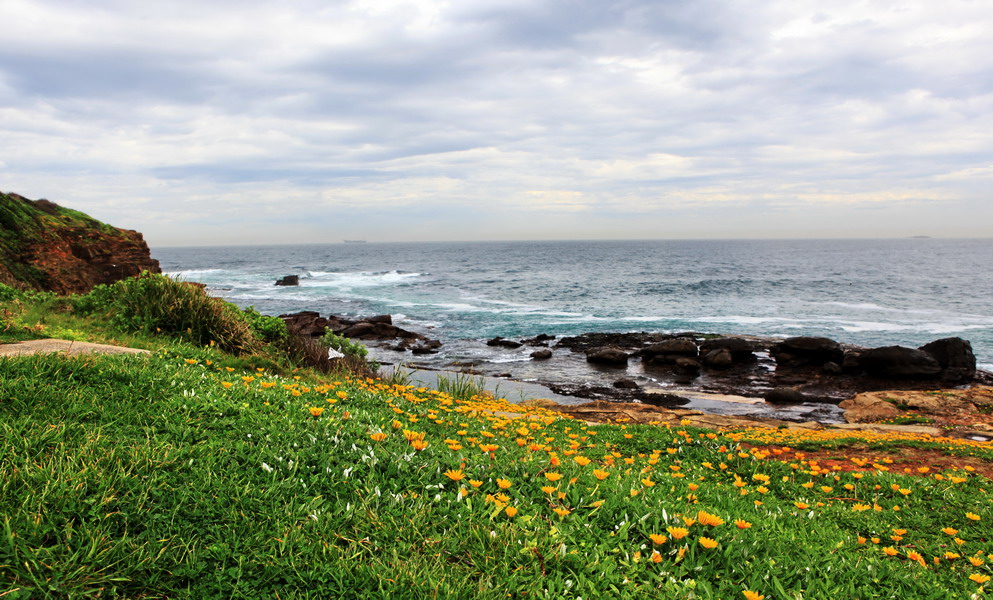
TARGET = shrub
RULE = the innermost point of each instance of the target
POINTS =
(344, 345)
(155, 303)
(271, 330)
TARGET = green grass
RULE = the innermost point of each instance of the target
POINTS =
(164, 476)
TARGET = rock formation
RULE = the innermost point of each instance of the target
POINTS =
(47, 247)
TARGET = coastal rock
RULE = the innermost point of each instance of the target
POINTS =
(541, 339)
(720, 358)
(955, 356)
(785, 396)
(608, 356)
(500, 342)
(668, 351)
(741, 349)
(44, 246)
(378, 328)
(868, 408)
(808, 350)
(898, 362)
(426, 347)
(687, 367)
(543, 354)
(387, 319)
(626, 384)
(288, 280)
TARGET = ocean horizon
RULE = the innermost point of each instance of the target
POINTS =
(866, 292)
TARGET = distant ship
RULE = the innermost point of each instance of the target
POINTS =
(354, 241)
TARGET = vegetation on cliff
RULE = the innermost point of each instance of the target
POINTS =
(205, 472)
(45, 246)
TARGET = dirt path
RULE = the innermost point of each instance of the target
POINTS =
(66, 346)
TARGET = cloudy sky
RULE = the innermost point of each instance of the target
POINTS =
(228, 122)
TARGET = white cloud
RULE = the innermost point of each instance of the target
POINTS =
(497, 112)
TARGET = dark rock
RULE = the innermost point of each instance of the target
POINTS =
(897, 362)
(289, 280)
(850, 364)
(426, 347)
(388, 319)
(626, 384)
(541, 339)
(955, 356)
(718, 359)
(784, 396)
(808, 350)
(502, 343)
(543, 354)
(740, 349)
(832, 368)
(687, 367)
(608, 356)
(359, 330)
(678, 346)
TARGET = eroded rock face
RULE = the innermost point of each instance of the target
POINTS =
(955, 356)
(47, 247)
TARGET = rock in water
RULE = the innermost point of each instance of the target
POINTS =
(955, 356)
(897, 362)
(289, 280)
(608, 356)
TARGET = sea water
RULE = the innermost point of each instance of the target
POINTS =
(863, 292)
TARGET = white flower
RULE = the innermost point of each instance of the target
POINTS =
(266, 468)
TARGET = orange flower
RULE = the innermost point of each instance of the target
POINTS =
(705, 518)
(678, 533)
(750, 595)
(658, 539)
(316, 411)
(510, 511)
(890, 551)
(419, 445)
(708, 543)
(979, 578)
(553, 476)
(950, 531)
(581, 460)
(972, 516)
(600, 474)
(656, 557)
(455, 475)
(475, 483)
(561, 511)
(742, 524)
(801, 505)
(503, 483)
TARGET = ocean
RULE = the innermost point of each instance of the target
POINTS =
(864, 292)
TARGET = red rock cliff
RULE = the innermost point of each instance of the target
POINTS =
(48, 247)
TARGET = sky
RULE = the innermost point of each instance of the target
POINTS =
(250, 122)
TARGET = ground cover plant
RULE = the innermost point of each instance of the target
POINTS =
(178, 475)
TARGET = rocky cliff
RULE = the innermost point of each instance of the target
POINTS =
(48, 247)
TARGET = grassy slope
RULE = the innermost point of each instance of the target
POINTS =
(168, 476)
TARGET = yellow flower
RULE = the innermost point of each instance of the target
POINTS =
(708, 543)
(950, 531)
(647, 482)
(979, 578)
(316, 411)
(475, 483)
(678, 533)
(581, 460)
(419, 445)
(658, 539)
(600, 474)
(510, 511)
(916, 557)
(976, 561)
(801, 505)
(548, 489)
(561, 511)
(378, 437)
(455, 475)
(706, 518)
(503, 483)
(553, 476)
(226, 384)
(972, 516)
(890, 551)
(742, 524)
(750, 595)
(952, 555)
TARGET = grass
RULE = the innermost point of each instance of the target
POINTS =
(210, 470)
(171, 476)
